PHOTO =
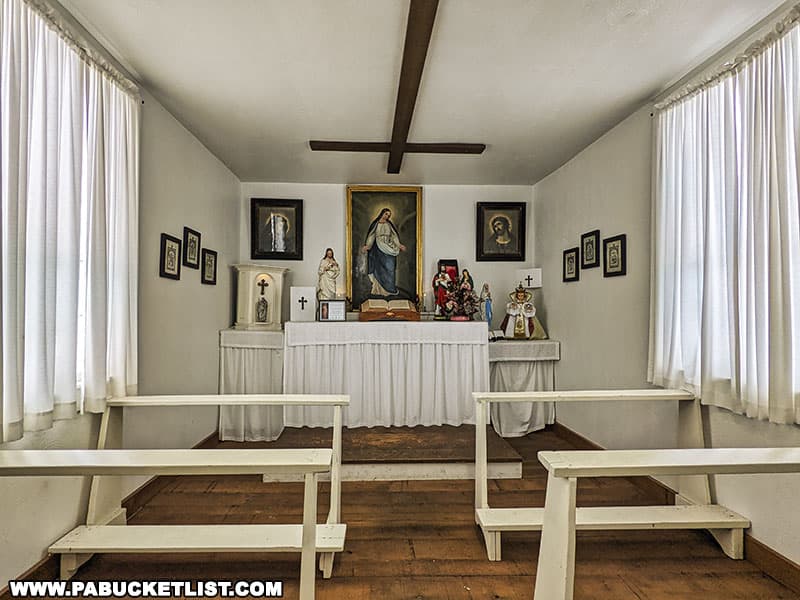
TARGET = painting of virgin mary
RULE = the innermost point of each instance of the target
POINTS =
(384, 239)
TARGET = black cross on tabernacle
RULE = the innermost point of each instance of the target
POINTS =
(528, 280)
(302, 302)
(262, 284)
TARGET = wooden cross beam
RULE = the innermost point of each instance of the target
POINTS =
(421, 16)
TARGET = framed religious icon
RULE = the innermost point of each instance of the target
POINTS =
(332, 310)
(590, 244)
(191, 248)
(500, 231)
(614, 256)
(209, 272)
(169, 262)
(384, 243)
(571, 268)
(276, 229)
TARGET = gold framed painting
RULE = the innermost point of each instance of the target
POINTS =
(384, 243)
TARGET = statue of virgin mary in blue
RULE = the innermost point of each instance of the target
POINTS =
(382, 245)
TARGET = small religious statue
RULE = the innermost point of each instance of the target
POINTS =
(328, 272)
(262, 305)
(520, 321)
(441, 283)
(486, 301)
(466, 280)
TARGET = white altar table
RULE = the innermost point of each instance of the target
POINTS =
(396, 373)
(522, 366)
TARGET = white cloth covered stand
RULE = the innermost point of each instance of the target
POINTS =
(522, 366)
(251, 362)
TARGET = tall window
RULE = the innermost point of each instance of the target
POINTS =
(69, 143)
(725, 318)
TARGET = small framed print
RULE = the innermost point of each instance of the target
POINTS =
(191, 248)
(170, 258)
(332, 310)
(208, 274)
(572, 269)
(615, 256)
(590, 244)
(276, 229)
(500, 231)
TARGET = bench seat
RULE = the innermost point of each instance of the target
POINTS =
(617, 517)
(195, 538)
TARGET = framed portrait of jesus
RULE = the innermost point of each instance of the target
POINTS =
(384, 243)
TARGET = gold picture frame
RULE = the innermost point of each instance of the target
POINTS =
(387, 271)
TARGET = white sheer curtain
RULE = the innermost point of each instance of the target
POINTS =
(725, 294)
(68, 228)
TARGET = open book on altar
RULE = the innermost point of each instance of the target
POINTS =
(375, 309)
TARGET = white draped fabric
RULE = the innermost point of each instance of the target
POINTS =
(251, 362)
(69, 198)
(397, 373)
(725, 305)
(522, 366)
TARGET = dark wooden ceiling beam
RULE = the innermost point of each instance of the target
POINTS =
(421, 16)
(445, 148)
(421, 148)
(323, 146)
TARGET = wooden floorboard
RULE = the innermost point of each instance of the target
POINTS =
(418, 540)
(438, 444)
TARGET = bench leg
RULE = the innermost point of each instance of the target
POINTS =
(555, 571)
(308, 554)
(70, 563)
(326, 564)
(492, 539)
(731, 541)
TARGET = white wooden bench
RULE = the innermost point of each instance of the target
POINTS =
(494, 521)
(556, 567)
(78, 545)
(105, 499)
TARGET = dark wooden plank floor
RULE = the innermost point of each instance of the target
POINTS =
(444, 444)
(417, 540)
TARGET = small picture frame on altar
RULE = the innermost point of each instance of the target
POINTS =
(332, 310)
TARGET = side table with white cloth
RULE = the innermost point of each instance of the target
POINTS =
(397, 373)
(522, 366)
(250, 362)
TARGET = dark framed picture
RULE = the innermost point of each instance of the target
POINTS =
(170, 258)
(191, 248)
(276, 229)
(384, 243)
(332, 310)
(500, 231)
(571, 269)
(590, 246)
(208, 274)
(614, 256)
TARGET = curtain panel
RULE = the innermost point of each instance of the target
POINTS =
(69, 143)
(725, 290)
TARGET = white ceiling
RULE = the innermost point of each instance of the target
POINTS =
(535, 80)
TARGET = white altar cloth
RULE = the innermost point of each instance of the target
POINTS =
(522, 366)
(397, 373)
(250, 362)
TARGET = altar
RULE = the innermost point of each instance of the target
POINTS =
(397, 373)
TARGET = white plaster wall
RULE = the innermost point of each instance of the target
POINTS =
(603, 325)
(448, 225)
(181, 184)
